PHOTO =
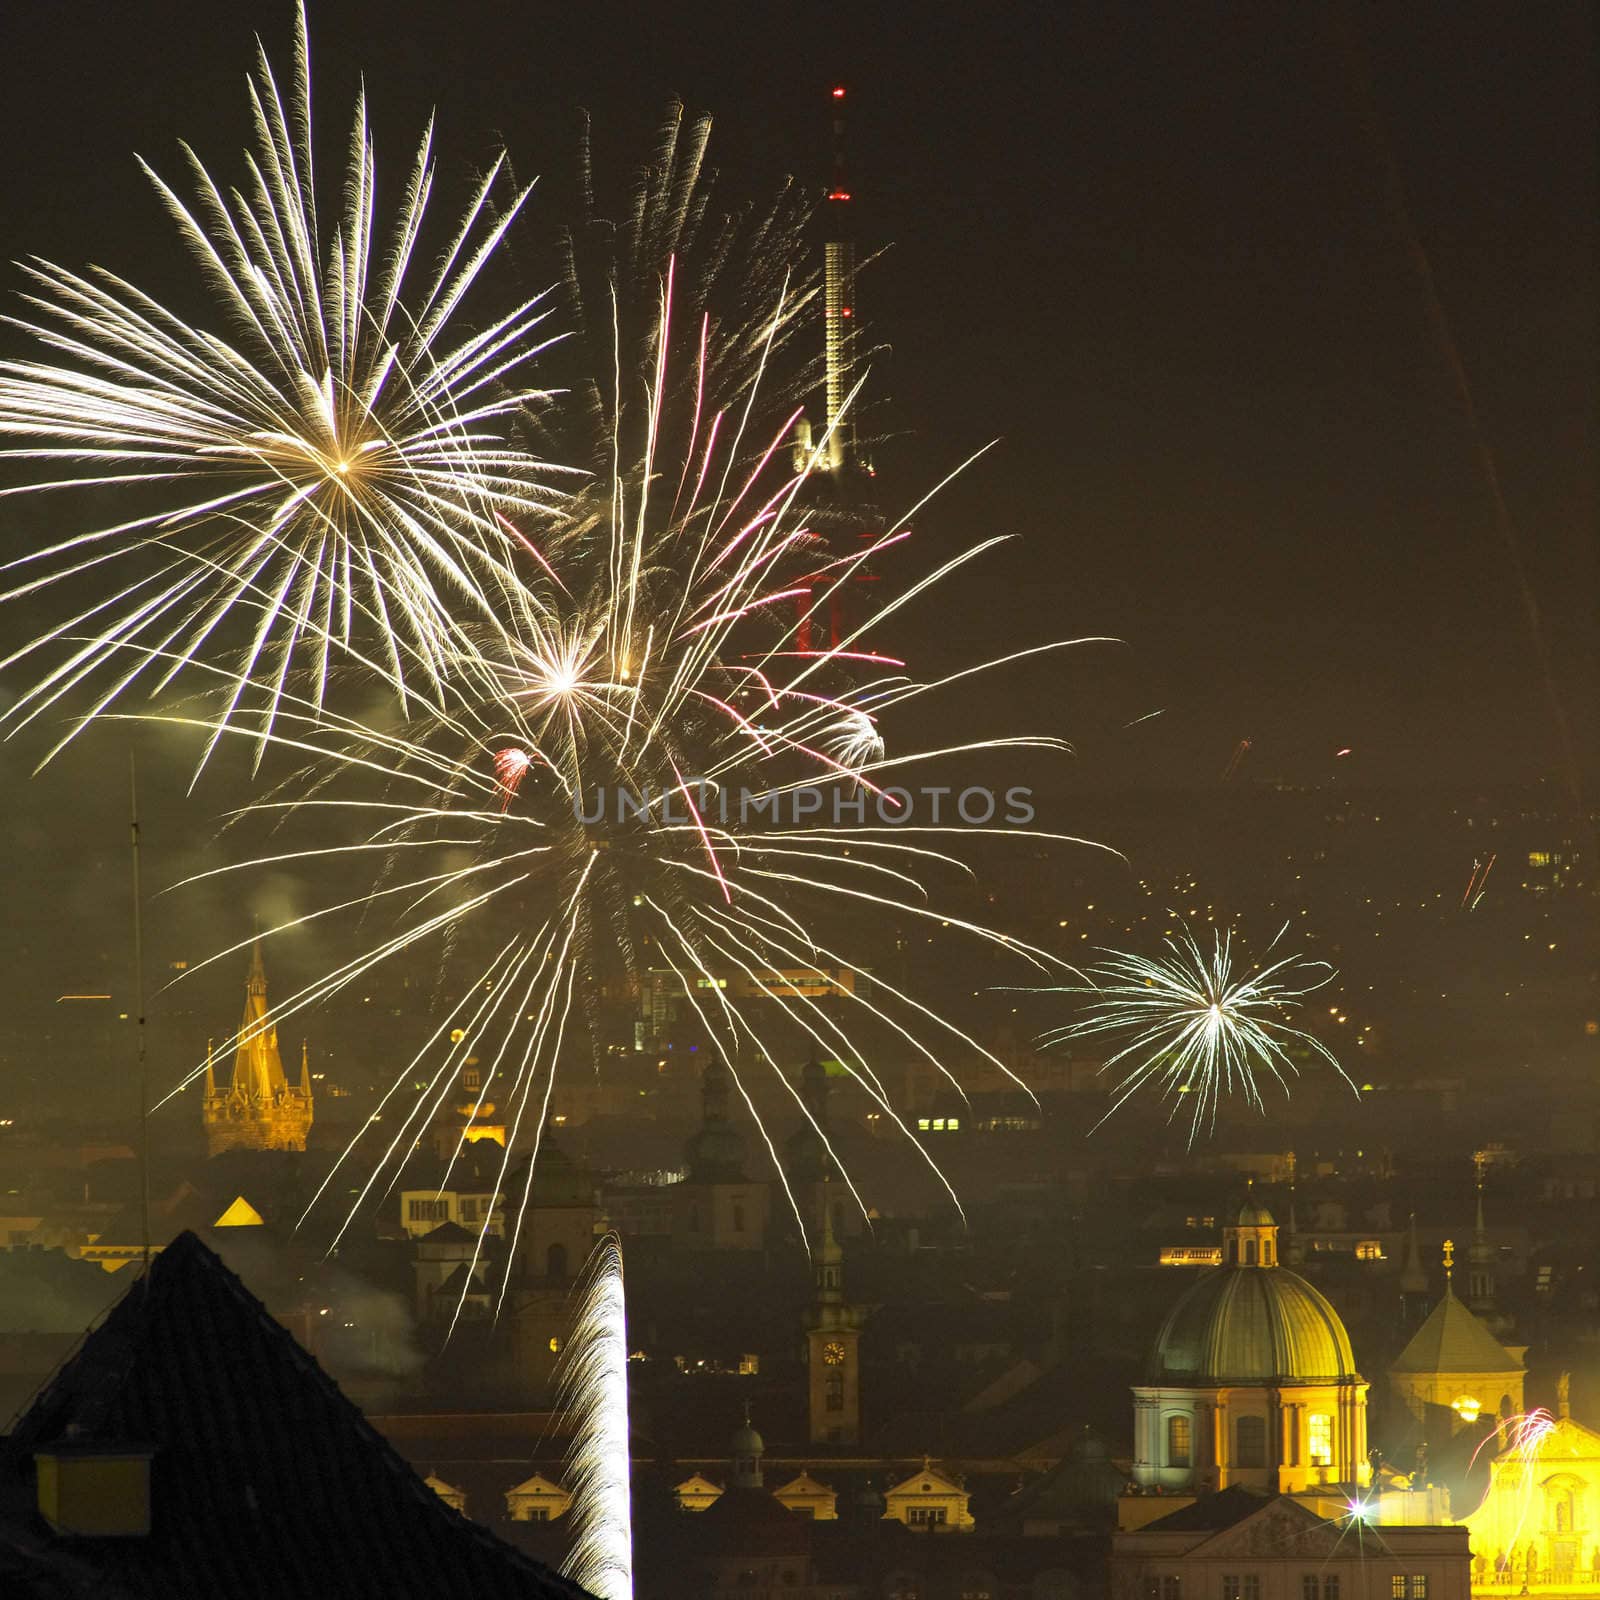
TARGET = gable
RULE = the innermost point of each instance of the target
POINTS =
(1282, 1527)
(803, 1484)
(696, 1484)
(537, 1484)
(925, 1482)
(241, 1214)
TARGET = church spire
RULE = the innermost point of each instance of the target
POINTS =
(1480, 1257)
(1413, 1280)
(259, 1109)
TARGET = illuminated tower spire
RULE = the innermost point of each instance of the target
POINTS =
(260, 1109)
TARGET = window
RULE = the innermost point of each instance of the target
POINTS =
(1330, 1588)
(927, 1516)
(1230, 1587)
(430, 1210)
(1249, 1252)
(1418, 1586)
(738, 1219)
(1250, 1586)
(1266, 1253)
(1320, 1426)
(1171, 1587)
(1250, 1442)
(1180, 1434)
(1397, 1587)
(833, 1390)
(1308, 1586)
(471, 1078)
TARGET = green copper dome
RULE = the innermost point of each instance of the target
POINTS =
(1251, 1324)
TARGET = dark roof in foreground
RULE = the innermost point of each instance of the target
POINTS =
(266, 1482)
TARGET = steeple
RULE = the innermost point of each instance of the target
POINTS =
(1413, 1282)
(833, 1346)
(259, 1110)
(1480, 1256)
(305, 1067)
(715, 1153)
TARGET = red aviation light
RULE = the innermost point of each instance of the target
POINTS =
(838, 93)
(844, 311)
(838, 194)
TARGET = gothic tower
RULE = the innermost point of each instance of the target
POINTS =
(260, 1109)
(833, 1349)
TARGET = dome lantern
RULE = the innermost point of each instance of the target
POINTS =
(1251, 1240)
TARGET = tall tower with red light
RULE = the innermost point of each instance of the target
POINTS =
(842, 467)
(839, 309)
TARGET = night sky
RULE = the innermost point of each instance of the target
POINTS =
(1150, 250)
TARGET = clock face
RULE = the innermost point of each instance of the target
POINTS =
(833, 1354)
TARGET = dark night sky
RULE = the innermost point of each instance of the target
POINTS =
(1146, 247)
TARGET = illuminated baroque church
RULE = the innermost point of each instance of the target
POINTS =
(1251, 1381)
(260, 1109)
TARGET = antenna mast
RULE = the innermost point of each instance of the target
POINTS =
(139, 1019)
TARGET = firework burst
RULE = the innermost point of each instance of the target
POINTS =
(329, 471)
(1199, 1026)
(599, 702)
(615, 756)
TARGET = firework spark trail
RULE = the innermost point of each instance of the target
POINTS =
(1196, 1024)
(335, 463)
(594, 1391)
(1524, 1436)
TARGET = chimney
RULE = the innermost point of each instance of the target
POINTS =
(94, 1488)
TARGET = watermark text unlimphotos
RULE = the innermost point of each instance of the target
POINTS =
(702, 800)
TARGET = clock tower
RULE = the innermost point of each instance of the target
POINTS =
(833, 1350)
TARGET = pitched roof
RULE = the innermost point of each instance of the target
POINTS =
(1453, 1340)
(266, 1482)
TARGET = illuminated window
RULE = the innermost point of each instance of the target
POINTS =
(1250, 1441)
(923, 1124)
(1320, 1426)
(1369, 1250)
(1538, 858)
(1397, 1587)
(555, 1345)
(1180, 1435)
(472, 1078)
(938, 1124)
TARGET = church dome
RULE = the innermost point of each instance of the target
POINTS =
(1254, 1215)
(1251, 1324)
